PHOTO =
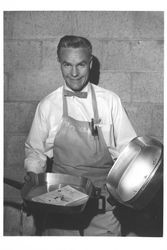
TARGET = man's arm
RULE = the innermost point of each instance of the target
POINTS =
(123, 129)
(35, 158)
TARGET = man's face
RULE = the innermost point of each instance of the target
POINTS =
(75, 67)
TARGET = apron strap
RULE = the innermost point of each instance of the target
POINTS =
(94, 104)
(65, 108)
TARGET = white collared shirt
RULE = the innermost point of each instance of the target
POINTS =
(116, 127)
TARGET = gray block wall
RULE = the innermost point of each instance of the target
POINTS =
(129, 47)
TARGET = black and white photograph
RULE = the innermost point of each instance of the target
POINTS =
(83, 124)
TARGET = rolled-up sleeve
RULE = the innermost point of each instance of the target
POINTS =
(35, 158)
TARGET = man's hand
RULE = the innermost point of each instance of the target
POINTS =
(32, 178)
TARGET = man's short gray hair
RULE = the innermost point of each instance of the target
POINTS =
(74, 42)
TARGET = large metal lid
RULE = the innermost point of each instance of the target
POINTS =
(137, 173)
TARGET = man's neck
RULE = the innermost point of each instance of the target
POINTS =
(85, 89)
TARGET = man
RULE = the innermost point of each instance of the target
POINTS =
(83, 127)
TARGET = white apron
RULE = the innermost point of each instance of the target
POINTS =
(77, 152)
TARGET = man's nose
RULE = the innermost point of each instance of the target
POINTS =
(74, 71)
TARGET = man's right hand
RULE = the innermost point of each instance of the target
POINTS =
(32, 178)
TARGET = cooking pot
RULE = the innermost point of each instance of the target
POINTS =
(48, 182)
(137, 174)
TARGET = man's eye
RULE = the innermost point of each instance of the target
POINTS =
(82, 64)
(66, 64)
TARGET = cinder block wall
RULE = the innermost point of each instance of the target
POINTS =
(129, 47)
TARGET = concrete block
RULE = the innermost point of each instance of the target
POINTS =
(117, 55)
(14, 225)
(49, 54)
(97, 49)
(38, 24)
(157, 126)
(15, 172)
(22, 55)
(120, 83)
(140, 115)
(133, 55)
(6, 86)
(147, 55)
(148, 24)
(33, 85)
(18, 116)
(147, 87)
(8, 18)
(15, 150)
(104, 24)
(108, 24)
(12, 196)
(11, 221)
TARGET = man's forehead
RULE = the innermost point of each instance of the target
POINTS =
(80, 53)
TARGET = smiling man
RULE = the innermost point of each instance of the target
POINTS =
(75, 67)
(83, 127)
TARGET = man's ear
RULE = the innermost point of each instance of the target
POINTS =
(58, 60)
(91, 62)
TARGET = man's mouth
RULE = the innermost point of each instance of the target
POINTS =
(75, 79)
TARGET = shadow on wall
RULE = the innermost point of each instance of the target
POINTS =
(95, 71)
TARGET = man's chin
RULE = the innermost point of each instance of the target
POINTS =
(76, 87)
